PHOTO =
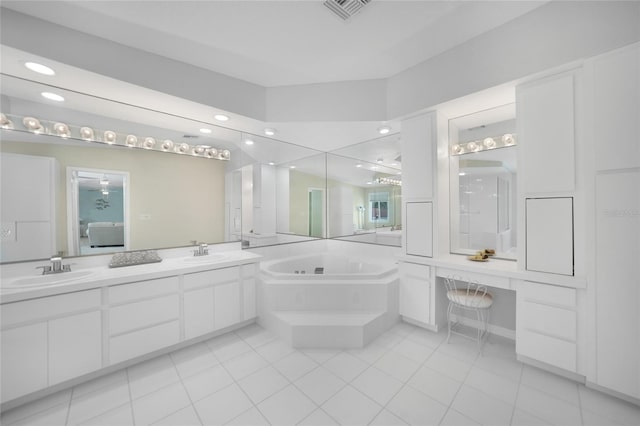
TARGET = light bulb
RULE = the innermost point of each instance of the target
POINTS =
(39, 68)
(226, 154)
(198, 150)
(62, 130)
(33, 124)
(211, 153)
(182, 148)
(457, 149)
(489, 143)
(148, 143)
(86, 133)
(508, 139)
(472, 146)
(52, 96)
(131, 141)
(221, 117)
(269, 132)
(5, 123)
(167, 145)
(384, 130)
(110, 137)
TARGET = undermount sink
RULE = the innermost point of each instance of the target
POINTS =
(214, 257)
(50, 279)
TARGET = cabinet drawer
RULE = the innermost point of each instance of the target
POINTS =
(548, 294)
(484, 279)
(557, 352)
(213, 277)
(145, 313)
(549, 320)
(143, 290)
(415, 269)
(47, 307)
(142, 342)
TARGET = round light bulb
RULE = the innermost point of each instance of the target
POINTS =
(472, 146)
(148, 143)
(32, 124)
(167, 145)
(489, 143)
(110, 137)
(182, 148)
(86, 133)
(39, 68)
(508, 139)
(5, 123)
(62, 130)
(131, 141)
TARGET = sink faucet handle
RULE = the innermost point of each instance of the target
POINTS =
(45, 269)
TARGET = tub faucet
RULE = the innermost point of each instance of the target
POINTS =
(202, 250)
(56, 266)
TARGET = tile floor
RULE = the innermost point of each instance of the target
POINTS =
(407, 376)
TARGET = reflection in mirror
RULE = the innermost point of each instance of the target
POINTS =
(283, 191)
(483, 182)
(176, 194)
(364, 192)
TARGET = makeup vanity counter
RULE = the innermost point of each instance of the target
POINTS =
(549, 307)
(57, 335)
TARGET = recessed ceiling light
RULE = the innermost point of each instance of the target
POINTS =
(206, 131)
(52, 96)
(271, 163)
(369, 183)
(292, 167)
(269, 132)
(358, 165)
(221, 117)
(461, 174)
(384, 130)
(248, 142)
(39, 68)
(379, 161)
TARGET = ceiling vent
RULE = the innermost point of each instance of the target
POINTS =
(345, 9)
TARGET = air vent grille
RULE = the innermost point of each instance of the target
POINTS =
(345, 9)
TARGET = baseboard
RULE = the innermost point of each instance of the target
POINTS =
(430, 327)
(552, 369)
(616, 394)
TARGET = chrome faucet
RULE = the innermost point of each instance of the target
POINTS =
(56, 266)
(202, 250)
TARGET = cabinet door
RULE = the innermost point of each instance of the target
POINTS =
(418, 143)
(415, 292)
(226, 305)
(549, 238)
(249, 296)
(198, 312)
(75, 346)
(24, 360)
(419, 229)
(546, 122)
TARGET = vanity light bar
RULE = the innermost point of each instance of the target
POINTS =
(508, 139)
(388, 181)
(109, 137)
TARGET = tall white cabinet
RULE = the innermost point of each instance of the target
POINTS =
(615, 297)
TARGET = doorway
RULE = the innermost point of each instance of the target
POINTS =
(316, 212)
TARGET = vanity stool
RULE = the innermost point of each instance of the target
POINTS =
(468, 296)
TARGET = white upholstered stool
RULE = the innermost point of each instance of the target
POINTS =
(468, 296)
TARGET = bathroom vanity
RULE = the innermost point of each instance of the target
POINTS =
(57, 334)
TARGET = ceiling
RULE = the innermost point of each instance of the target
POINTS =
(275, 43)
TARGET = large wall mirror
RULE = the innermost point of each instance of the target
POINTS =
(283, 189)
(483, 174)
(365, 193)
(77, 179)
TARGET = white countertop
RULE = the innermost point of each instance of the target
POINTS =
(101, 276)
(495, 267)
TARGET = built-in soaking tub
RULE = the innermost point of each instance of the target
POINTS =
(327, 299)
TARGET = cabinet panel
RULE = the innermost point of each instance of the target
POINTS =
(418, 146)
(419, 229)
(549, 235)
(217, 276)
(143, 290)
(546, 123)
(37, 309)
(226, 305)
(549, 320)
(556, 352)
(198, 312)
(141, 342)
(75, 346)
(617, 109)
(617, 251)
(24, 360)
(415, 292)
(249, 296)
(128, 317)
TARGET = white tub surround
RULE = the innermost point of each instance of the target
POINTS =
(58, 335)
(346, 304)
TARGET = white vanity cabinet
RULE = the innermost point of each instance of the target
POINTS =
(415, 292)
(211, 300)
(143, 316)
(547, 324)
(49, 340)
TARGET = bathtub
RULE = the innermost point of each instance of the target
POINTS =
(327, 300)
(326, 267)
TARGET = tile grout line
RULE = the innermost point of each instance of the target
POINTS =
(515, 401)
(133, 414)
(181, 381)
